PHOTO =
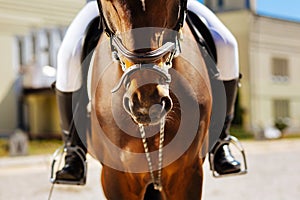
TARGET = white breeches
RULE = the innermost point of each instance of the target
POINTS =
(68, 77)
(68, 60)
(226, 44)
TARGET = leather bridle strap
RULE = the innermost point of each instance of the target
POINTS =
(146, 57)
(131, 70)
(103, 22)
(182, 14)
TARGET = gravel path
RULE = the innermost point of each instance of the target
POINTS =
(273, 175)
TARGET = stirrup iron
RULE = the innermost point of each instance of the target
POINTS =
(230, 140)
(57, 157)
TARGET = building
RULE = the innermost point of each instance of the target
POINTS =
(269, 50)
(30, 34)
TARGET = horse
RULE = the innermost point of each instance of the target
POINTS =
(150, 102)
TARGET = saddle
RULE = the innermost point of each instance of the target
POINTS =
(205, 41)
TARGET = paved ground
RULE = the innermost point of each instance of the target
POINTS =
(274, 168)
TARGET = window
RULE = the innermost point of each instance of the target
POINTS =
(37, 54)
(220, 3)
(43, 53)
(34, 47)
(20, 55)
(247, 4)
(280, 70)
(281, 113)
(55, 39)
(281, 109)
(227, 5)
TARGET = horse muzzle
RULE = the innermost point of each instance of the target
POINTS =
(147, 110)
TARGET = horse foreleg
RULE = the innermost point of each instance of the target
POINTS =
(116, 186)
(194, 189)
(186, 183)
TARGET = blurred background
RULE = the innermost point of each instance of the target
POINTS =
(30, 35)
(269, 47)
(31, 31)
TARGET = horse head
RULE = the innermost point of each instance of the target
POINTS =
(145, 48)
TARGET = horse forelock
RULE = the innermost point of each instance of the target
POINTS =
(154, 13)
(152, 16)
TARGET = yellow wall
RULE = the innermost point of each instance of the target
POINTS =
(7, 72)
(274, 38)
(260, 39)
(18, 18)
(43, 115)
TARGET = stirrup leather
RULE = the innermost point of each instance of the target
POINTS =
(57, 157)
(230, 140)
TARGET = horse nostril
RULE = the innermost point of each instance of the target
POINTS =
(167, 102)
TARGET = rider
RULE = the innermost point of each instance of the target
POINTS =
(69, 66)
(228, 66)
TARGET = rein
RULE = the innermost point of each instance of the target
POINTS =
(156, 181)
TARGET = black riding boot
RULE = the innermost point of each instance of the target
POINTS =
(73, 171)
(224, 162)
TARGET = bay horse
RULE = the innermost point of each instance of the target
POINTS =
(150, 102)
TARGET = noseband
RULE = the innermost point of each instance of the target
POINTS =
(151, 56)
(144, 60)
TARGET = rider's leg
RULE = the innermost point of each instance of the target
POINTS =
(228, 65)
(224, 162)
(73, 170)
(68, 83)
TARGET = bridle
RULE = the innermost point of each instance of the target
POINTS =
(151, 56)
(142, 61)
